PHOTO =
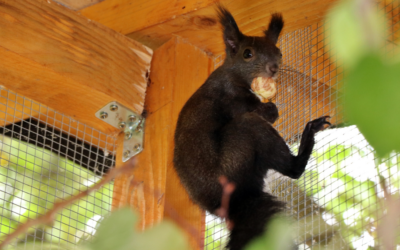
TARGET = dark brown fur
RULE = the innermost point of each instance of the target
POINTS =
(224, 130)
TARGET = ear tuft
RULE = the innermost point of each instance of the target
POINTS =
(275, 27)
(232, 35)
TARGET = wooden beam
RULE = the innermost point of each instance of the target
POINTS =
(14, 108)
(126, 16)
(193, 66)
(77, 4)
(69, 63)
(153, 22)
(79, 130)
(178, 69)
(201, 27)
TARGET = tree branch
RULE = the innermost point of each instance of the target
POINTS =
(49, 217)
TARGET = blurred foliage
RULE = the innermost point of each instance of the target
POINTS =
(215, 236)
(278, 235)
(351, 197)
(32, 179)
(117, 232)
(372, 89)
(357, 28)
(357, 40)
(372, 102)
(354, 203)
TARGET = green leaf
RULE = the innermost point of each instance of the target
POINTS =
(116, 231)
(210, 242)
(47, 246)
(355, 27)
(164, 236)
(372, 97)
(278, 235)
(337, 153)
(310, 182)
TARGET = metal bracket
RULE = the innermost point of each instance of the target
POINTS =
(131, 123)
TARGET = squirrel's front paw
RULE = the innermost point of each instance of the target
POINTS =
(319, 124)
(269, 111)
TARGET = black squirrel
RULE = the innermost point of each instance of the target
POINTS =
(225, 130)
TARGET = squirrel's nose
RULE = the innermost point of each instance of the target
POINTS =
(273, 68)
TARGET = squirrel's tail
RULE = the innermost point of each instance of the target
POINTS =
(249, 216)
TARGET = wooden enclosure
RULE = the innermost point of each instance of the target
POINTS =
(75, 56)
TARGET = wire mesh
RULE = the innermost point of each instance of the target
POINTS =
(335, 203)
(46, 156)
(216, 233)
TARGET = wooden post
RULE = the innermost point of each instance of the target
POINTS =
(178, 69)
(69, 63)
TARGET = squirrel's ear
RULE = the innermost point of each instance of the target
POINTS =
(232, 34)
(275, 27)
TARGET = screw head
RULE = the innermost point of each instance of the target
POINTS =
(132, 118)
(122, 125)
(127, 153)
(113, 107)
(128, 135)
(139, 128)
(103, 115)
(137, 147)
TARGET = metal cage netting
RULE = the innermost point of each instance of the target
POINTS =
(46, 156)
(335, 204)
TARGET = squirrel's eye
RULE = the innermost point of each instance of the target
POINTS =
(247, 54)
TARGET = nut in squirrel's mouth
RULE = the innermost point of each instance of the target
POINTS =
(264, 88)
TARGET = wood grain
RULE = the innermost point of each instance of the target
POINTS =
(201, 28)
(150, 173)
(192, 69)
(178, 69)
(126, 16)
(77, 4)
(35, 81)
(67, 62)
(79, 130)
(14, 108)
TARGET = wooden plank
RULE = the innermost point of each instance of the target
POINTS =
(148, 195)
(178, 69)
(126, 16)
(14, 108)
(192, 69)
(37, 82)
(150, 173)
(77, 129)
(77, 4)
(201, 28)
(69, 63)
